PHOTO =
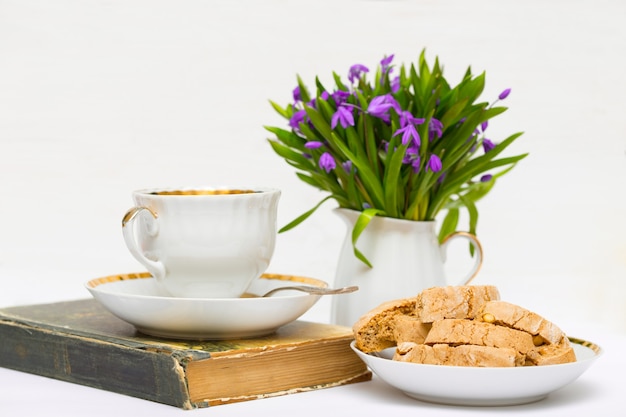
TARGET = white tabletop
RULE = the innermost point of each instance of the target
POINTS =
(599, 391)
(100, 98)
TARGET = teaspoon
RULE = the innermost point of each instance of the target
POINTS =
(313, 290)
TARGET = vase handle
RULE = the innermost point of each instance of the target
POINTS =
(477, 247)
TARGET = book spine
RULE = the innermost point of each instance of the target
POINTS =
(104, 365)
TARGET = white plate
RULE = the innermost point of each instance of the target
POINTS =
(135, 298)
(458, 385)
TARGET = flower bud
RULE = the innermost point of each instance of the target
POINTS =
(504, 94)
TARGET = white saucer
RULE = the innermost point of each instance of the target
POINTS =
(464, 385)
(135, 298)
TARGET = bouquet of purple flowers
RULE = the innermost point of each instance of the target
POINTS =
(405, 145)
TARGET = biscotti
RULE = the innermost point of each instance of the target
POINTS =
(460, 302)
(375, 330)
(462, 326)
(462, 355)
(472, 332)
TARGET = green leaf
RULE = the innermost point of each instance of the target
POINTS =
(449, 224)
(370, 180)
(280, 110)
(452, 115)
(304, 92)
(303, 216)
(363, 220)
(319, 122)
(325, 109)
(371, 148)
(320, 86)
(352, 191)
(477, 165)
(339, 83)
(309, 133)
(309, 180)
(287, 137)
(474, 192)
(290, 154)
(473, 218)
(472, 211)
(328, 180)
(472, 88)
(355, 142)
(391, 178)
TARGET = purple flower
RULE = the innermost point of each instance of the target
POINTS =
(434, 163)
(435, 129)
(415, 165)
(327, 162)
(488, 145)
(408, 130)
(340, 97)
(409, 133)
(412, 156)
(385, 62)
(314, 144)
(407, 118)
(297, 118)
(355, 72)
(347, 166)
(344, 116)
(486, 178)
(380, 105)
(394, 103)
(296, 95)
(484, 125)
(385, 67)
(313, 103)
(504, 94)
(395, 85)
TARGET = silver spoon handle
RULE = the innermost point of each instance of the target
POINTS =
(313, 290)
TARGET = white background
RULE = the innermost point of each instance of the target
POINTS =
(98, 98)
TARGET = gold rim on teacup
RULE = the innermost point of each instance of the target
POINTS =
(226, 191)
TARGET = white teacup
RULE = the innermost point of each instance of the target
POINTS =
(203, 242)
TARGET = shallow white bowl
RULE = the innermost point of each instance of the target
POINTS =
(135, 298)
(459, 385)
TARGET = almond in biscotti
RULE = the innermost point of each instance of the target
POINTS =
(453, 302)
(516, 317)
(551, 355)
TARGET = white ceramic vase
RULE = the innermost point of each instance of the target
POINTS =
(406, 258)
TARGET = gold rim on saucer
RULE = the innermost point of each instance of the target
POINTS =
(144, 275)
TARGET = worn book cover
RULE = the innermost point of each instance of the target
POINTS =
(81, 342)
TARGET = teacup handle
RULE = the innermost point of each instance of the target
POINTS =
(152, 228)
(478, 248)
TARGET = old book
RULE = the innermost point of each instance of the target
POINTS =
(80, 342)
